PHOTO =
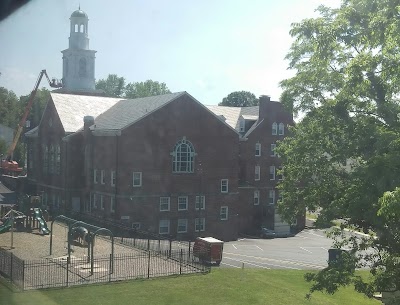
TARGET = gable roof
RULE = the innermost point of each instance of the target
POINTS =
(109, 113)
(127, 112)
(232, 115)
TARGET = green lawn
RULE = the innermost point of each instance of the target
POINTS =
(221, 286)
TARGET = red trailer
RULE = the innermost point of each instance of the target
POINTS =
(208, 250)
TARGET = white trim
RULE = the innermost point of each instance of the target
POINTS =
(224, 188)
(272, 172)
(258, 150)
(112, 204)
(102, 176)
(140, 179)
(223, 213)
(257, 170)
(271, 197)
(95, 176)
(256, 197)
(185, 221)
(200, 222)
(200, 203)
(186, 203)
(274, 129)
(166, 225)
(168, 199)
(113, 178)
(273, 152)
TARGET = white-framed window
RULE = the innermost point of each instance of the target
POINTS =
(102, 176)
(112, 204)
(199, 224)
(272, 172)
(200, 202)
(163, 226)
(94, 201)
(102, 202)
(274, 129)
(256, 197)
(271, 197)
(281, 129)
(164, 204)
(137, 179)
(223, 213)
(257, 173)
(182, 203)
(95, 176)
(241, 125)
(224, 185)
(113, 178)
(136, 225)
(183, 157)
(273, 153)
(182, 225)
(280, 174)
(258, 149)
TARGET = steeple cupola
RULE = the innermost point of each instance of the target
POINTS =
(78, 59)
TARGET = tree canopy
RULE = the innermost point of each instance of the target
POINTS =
(116, 86)
(239, 99)
(343, 157)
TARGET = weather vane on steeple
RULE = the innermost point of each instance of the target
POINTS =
(79, 6)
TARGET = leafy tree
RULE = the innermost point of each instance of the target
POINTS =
(8, 108)
(239, 99)
(40, 101)
(347, 66)
(144, 89)
(113, 85)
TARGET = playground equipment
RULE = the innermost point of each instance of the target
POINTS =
(42, 224)
(6, 226)
(79, 229)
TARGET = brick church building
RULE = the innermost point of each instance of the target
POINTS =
(166, 164)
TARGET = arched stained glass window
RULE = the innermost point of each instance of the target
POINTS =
(183, 157)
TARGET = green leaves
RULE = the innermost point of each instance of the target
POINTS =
(239, 99)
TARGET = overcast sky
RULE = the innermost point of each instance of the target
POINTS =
(208, 48)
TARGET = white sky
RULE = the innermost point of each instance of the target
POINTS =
(208, 48)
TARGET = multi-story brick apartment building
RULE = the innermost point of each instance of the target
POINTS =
(166, 164)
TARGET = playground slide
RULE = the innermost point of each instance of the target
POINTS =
(6, 226)
(42, 224)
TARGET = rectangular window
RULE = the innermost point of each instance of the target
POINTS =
(241, 125)
(273, 153)
(258, 149)
(136, 225)
(257, 173)
(164, 226)
(102, 177)
(281, 129)
(271, 197)
(137, 179)
(94, 201)
(112, 204)
(164, 204)
(256, 197)
(272, 172)
(182, 225)
(102, 202)
(280, 197)
(113, 178)
(182, 203)
(95, 176)
(224, 185)
(200, 224)
(280, 174)
(200, 202)
(223, 213)
(274, 129)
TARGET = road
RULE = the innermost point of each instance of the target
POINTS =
(306, 250)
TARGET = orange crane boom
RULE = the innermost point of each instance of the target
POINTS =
(8, 165)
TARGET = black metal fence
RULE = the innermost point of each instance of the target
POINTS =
(59, 272)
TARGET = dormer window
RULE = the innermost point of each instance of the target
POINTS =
(241, 125)
(183, 157)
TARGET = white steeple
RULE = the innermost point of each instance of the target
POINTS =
(78, 60)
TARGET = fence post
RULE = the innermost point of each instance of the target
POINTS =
(170, 247)
(134, 241)
(148, 244)
(23, 275)
(180, 261)
(110, 268)
(159, 245)
(11, 267)
(189, 248)
(148, 266)
(68, 261)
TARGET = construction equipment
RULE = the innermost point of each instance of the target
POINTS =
(8, 165)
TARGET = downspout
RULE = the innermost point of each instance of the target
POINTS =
(116, 175)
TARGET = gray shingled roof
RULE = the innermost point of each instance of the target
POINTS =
(233, 114)
(109, 113)
(72, 108)
(127, 112)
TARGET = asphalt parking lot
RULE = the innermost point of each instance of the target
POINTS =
(307, 250)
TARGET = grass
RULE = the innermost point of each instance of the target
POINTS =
(221, 286)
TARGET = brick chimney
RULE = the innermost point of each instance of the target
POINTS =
(264, 106)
